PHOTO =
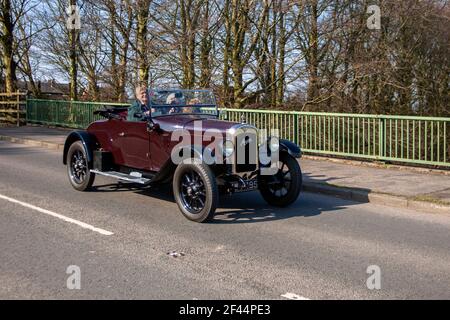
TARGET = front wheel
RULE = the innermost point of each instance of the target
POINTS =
(195, 190)
(283, 188)
(80, 175)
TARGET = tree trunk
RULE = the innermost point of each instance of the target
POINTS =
(73, 56)
(273, 59)
(7, 39)
(142, 41)
(281, 62)
(226, 56)
(189, 18)
(313, 59)
(205, 50)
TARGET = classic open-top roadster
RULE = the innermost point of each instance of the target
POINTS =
(180, 140)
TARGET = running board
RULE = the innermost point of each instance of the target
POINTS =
(122, 176)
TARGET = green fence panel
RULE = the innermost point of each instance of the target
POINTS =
(408, 139)
(72, 114)
(413, 140)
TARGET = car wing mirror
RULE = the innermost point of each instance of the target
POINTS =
(138, 115)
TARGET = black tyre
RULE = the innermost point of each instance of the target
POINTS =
(195, 190)
(283, 188)
(80, 175)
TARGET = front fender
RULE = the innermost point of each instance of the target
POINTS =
(167, 170)
(291, 148)
(88, 141)
(195, 151)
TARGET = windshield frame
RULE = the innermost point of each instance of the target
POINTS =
(213, 105)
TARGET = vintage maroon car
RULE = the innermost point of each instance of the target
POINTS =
(220, 156)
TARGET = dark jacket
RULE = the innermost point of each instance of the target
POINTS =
(136, 107)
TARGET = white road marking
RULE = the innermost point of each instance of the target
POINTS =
(59, 216)
(293, 296)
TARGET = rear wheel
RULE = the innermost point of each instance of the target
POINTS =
(195, 190)
(283, 188)
(80, 175)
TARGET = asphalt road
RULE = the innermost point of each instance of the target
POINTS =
(320, 248)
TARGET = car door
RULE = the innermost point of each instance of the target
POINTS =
(133, 144)
(161, 144)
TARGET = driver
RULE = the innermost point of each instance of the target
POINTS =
(139, 105)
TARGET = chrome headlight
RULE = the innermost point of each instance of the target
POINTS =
(228, 148)
(274, 144)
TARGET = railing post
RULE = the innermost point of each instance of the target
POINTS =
(26, 108)
(18, 107)
(382, 140)
(90, 114)
(58, 107)
(297, 133)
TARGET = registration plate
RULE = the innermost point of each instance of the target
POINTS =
(252, 184)
(249, 185)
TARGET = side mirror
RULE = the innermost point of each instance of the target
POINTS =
(138, 115)
(151, 126)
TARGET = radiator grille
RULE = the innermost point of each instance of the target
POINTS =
(246, 151)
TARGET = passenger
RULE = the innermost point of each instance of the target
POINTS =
(192, 102)
(174, 99)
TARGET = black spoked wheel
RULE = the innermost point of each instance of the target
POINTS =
(78, 168)
(283, 188)
(195, 191)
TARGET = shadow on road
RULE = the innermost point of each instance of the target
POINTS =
(116, 187)
(244, 207)
(251, 208)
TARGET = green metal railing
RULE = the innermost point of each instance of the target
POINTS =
(414, 140)
(72, 114)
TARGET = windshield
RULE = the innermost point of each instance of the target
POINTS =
(177, 101)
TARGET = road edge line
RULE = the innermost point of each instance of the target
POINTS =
(57, 215)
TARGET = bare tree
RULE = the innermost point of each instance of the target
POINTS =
(143, 43)
(303, 55)
(11, 12)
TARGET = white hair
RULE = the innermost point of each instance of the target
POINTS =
(170, 98)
